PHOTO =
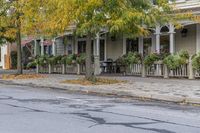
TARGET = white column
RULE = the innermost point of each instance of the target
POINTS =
(42, 46)
(198, 38)
(124, 45)
(172, 41)
(141, 45)
(157, 39)
(54, 47)
(35, 48)
(96, 56)
(105, 48)
(97, 44)
(153, 43)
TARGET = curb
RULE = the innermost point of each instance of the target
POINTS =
(120, 94)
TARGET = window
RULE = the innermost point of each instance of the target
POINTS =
(132, 45)
(69, 49)
(81, 47)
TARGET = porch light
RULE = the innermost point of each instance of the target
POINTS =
(184, 32)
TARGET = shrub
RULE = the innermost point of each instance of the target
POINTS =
(133, 58)
(196, 62)
(41, 60)
(80, 59)
(53, 60)
(184, 54)
(68, 59)
(151, 58)
(122, 60)
(31, 64)
(176, 60)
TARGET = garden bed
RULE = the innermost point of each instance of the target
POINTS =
(98, 81)
(21, 76)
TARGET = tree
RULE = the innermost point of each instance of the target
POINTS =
(130, 17)
(32, 18)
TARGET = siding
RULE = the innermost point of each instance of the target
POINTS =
(186, 43)
(59, 47)
(114, 48)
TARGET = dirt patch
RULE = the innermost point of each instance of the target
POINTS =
(99, 81)
(21, 76)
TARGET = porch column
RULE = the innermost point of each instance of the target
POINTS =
(96, 56)
(35, 48)
(198, 38)
(141, 45)
(172, 41)
(124, 44)
(42, 46)
(54, 47)
(157, 39)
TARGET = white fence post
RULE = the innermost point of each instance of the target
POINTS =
(190, 69)
(50, 68)
(143, 70)
(37, 69)
(166, 72)
(63, 69)
(78, 69)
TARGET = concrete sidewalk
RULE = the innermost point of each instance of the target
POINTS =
(170, 90)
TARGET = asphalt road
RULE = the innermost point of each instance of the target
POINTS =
(35, 110)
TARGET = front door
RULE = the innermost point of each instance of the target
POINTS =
(164, 44)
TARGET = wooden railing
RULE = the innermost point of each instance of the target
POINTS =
(155, 70)
(135, 69)
(158, 69)
(61, 69)
(43, 69)
(179, 72)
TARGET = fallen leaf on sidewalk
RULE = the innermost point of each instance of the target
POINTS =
(21, 76)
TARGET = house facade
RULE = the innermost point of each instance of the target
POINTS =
(163, 39)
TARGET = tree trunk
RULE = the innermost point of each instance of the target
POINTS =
(89, 69)
(19, 50)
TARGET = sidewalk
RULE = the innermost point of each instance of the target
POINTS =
(170, 90)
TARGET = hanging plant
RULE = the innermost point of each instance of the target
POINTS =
(151, 59)
(176, 60)
(80, 59)
(196, 62)
(53, 60)
(122, 60)
(133, 58)
(31, 64)
(69, 59)
(41, 60)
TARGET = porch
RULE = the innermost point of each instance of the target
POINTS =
(107, 49)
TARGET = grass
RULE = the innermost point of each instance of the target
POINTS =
(21, 76)
(98, 81)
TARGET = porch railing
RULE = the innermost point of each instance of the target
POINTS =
(57, 68)
(135, 69)
(155, 70)
(197, 74)
(158, 69)
(43, 69)
(182, 71)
